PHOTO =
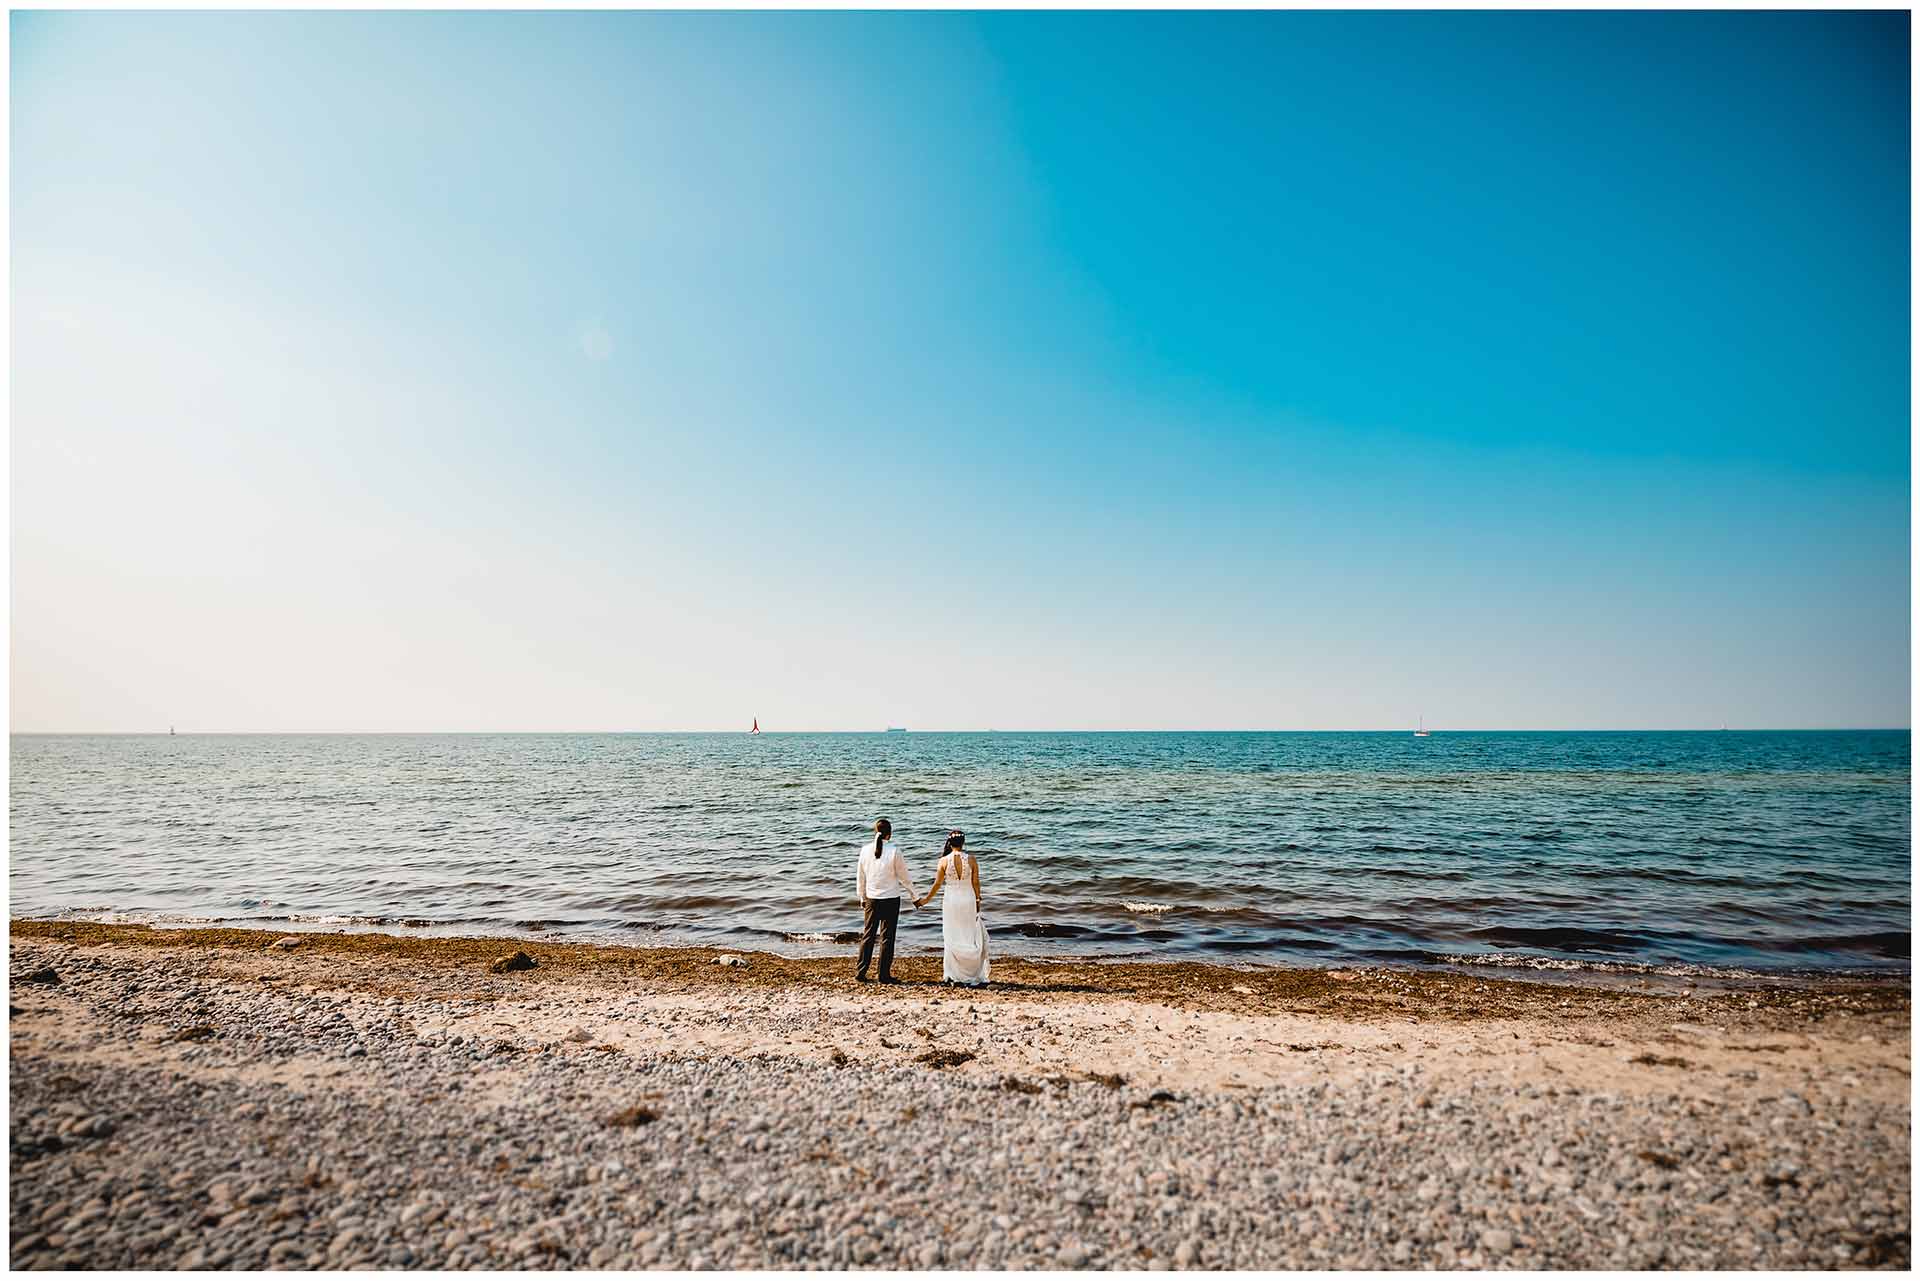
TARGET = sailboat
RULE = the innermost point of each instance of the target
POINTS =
(756, 726)
(1422, 731)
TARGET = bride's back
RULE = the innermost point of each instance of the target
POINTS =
(959, 870)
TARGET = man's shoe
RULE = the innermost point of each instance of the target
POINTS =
(890, 979)
(861, 978)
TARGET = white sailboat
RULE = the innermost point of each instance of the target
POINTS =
(756, 726)
(1422, 731)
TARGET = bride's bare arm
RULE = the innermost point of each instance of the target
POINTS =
(939, 878)
(973, 865)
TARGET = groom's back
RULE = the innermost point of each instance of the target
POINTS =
(883, 878)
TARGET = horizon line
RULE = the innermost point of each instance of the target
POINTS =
(1394, 729)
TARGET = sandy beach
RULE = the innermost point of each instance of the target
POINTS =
(227, 1098)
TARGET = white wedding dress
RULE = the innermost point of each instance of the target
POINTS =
(964, 933)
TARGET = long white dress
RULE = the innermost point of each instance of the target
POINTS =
(962, 930)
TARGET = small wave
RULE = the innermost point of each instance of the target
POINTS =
(1561, 938)
(1281, 945)
(824, 936)
(694, 902)
(1047, 930)
(1410, 873)
(135, 916)
(1894, 945)
(161, 919)
(1518, 961)
(1670, 875)
(346, 919)
(1151, 909)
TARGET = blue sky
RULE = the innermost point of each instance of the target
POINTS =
(623, 371)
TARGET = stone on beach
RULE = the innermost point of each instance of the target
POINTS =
(628, 1117)
(942, 1058)
(516, 960)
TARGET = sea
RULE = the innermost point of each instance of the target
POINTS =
(1776, 853)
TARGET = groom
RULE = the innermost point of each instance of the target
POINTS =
(882, 879)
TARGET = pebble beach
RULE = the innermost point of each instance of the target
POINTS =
(235, 1099)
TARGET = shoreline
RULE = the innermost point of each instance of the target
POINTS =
(1209, 984)
(818, 949)
(636, 1107)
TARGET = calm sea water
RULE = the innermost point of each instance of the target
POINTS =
(1761, 851)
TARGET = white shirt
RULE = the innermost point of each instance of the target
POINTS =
(885, 877)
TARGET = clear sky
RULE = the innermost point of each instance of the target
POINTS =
(616, 371)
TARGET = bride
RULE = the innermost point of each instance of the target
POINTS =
(964, 932)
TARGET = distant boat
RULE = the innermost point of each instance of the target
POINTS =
(1422, 731)
(169, 731)
(895, 729)
(756, 726)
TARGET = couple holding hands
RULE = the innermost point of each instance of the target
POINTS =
(883, 879)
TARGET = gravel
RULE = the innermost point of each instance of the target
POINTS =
(319, 1130)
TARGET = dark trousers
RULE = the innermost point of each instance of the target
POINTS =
(883, 918)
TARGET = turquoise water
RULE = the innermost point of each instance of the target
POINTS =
(1764, 851)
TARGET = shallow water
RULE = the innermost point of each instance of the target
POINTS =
(1769, 852)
